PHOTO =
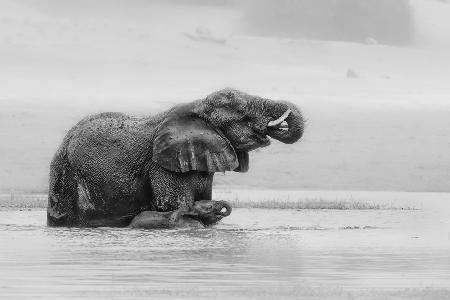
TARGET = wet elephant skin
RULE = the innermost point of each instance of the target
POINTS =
(110, 166)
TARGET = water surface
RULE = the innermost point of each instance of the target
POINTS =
(254, 253)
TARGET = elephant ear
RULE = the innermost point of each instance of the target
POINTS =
(186, 143)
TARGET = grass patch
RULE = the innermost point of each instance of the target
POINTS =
(40, 201)
(23, 200)
(312, 204)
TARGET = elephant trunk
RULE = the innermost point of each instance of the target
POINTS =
(225, 208)
(288, 123)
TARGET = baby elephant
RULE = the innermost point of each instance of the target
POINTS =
(201, 214)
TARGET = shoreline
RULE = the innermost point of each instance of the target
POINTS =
(287, 199)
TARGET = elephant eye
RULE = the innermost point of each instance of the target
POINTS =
(247, 119)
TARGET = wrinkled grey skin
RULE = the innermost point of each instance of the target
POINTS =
(110, 167)
(201, 214)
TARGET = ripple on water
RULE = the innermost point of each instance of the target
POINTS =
(253, 253)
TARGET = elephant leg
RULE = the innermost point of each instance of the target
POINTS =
(172, 189)
(61, 208)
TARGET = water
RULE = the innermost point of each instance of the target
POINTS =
(254, 253)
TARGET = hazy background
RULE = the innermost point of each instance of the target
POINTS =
(372, 78)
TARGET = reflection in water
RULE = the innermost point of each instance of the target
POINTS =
(254, 253)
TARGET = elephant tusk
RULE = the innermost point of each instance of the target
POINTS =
(284, 124)
(280, 119)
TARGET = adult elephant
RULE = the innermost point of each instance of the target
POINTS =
(111, 167)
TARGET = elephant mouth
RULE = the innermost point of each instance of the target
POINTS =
(287, 128)
(279, 126)
(280, 120)
(262, 139)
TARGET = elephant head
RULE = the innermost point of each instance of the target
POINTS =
(209, 212)
(215, 134)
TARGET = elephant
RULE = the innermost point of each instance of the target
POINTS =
(111, 167)
(201, 214)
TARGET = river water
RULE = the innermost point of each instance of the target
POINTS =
(254, 253)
